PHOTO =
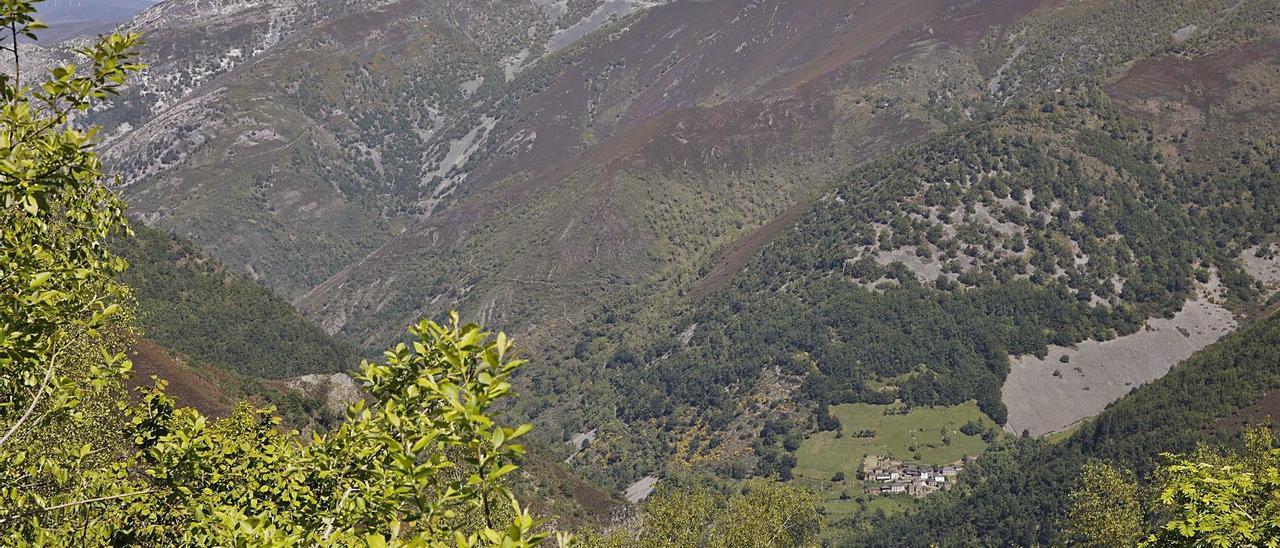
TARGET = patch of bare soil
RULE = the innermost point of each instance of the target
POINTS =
(1046, 395)
(743, 250)
(926, 270)
(1267, 408)
(641, 489)
(1265, 269)
(1200, 82)
(187, 387)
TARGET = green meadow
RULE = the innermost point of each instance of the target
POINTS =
(823, 454)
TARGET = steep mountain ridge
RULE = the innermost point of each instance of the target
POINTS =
(235, 87)
(1054, 217)
(690, 116)
(191, 303)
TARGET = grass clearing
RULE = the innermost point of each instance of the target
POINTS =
(890, 505)
(1062, 435)
(823, 455)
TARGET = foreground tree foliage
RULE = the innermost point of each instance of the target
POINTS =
(1104, 511)
(423, 464)
(765, 513)
(1223, 498)
(1213, 497)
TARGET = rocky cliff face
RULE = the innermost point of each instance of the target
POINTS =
(293, 138)
(336, 391)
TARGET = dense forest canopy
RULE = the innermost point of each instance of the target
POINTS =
(192, 304)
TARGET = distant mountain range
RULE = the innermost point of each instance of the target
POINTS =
(71, 18)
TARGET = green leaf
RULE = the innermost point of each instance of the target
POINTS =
(39, 279)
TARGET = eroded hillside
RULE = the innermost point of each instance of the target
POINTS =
(652, 145)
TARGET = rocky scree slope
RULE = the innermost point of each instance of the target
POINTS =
(292, 138)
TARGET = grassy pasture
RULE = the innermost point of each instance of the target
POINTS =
(823, 455)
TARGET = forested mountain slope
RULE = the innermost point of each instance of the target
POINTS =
(708, 221)
(1063, 215)
(294, 140)
(281, 137)
(524, 188)
(217, 337)
(646, 148)
(288, 119)
(1017, 494)
(190, 303)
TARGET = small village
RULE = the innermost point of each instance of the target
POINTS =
(917, 480)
